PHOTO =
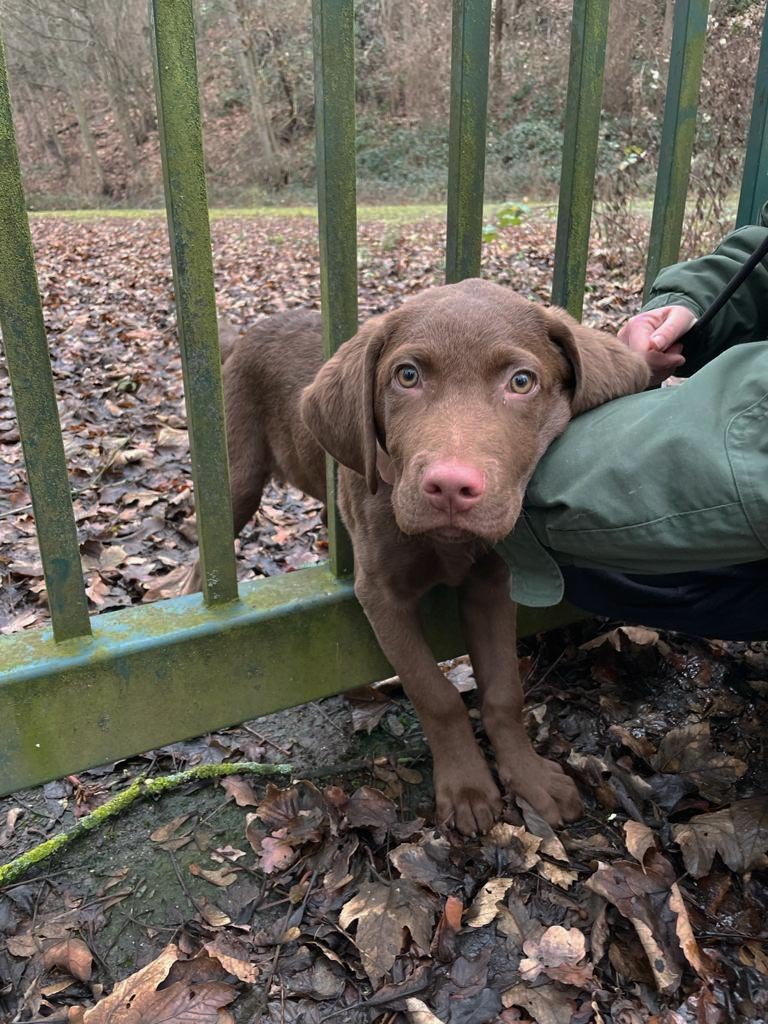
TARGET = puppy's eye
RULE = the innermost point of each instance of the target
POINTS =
(522, 382)
(407, 376)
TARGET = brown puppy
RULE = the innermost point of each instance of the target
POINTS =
(438, 414)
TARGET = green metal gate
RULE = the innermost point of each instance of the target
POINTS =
(88, 691)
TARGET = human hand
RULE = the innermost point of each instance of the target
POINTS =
(653, 335)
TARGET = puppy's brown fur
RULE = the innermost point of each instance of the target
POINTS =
(462, 419)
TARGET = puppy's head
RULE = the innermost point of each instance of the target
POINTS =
(453, 399)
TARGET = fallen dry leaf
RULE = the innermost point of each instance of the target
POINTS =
(240, 790)
(140, 1000)
(427, 862)
(623, 637)
(419, 1012)
(166, 834)
(639, 838)
(485, 906)
(561, 954)
(13, 815)
(547, 1004)
(383, 914)
(71, 955)
(557, 874)
(222, 877)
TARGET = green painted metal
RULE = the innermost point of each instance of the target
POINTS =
(181, 141)
(154, 674)
(589, 30)
(470, 42)
(678, 133)
(29, 366)
(334, 52)
(754, 181)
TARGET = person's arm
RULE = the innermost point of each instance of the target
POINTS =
(692, 286)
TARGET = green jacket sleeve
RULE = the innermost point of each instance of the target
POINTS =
(696, 283)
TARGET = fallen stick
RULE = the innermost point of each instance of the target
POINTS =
(139, 789)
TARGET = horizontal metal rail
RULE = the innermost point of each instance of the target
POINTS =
(754, 181)
(689, 34)
(334, 39)
(29, 368)
(470, 40)
(181, 145)
(158, 673)
(589, 30)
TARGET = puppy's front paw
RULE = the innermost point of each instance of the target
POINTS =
(466, 797)
(545, 786)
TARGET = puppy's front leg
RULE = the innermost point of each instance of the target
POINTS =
(490, 629)
(465, 792)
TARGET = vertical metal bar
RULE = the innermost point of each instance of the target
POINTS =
(334, 39)
(470, 43)
(754, 181)
(29, 366)
(589, 30)
(686, 59)
(181, 143)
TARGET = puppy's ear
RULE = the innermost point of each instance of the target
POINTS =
(603, 367)
(338, 407)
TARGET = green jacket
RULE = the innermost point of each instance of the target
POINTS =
(672, 479)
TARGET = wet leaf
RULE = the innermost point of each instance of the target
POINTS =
(643, 897)
(688, 752)
(739, 834)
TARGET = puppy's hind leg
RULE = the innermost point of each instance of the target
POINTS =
(249, 458)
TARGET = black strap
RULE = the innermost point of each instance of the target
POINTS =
(736, 281)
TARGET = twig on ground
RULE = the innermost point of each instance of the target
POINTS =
(139, 789)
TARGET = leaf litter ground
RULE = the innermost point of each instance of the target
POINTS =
(335, 897)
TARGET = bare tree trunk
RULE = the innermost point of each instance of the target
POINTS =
(74, 88)
(53, 142)
(497, 72)
(111, 82)
(262, 125)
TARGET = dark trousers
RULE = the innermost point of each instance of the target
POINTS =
(723, 604)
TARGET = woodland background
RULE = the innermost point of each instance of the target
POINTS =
(82, 86)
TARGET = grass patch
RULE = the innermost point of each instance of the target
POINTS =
(396, 214)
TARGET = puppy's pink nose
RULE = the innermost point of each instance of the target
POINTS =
(453, 486)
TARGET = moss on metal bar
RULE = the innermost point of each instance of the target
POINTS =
(686, 60)
(154, 674)
(589, 29)
(470, 40)
(754, 182)
(181, 146)
(138, 790)
(26, 348)
(334, 39)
